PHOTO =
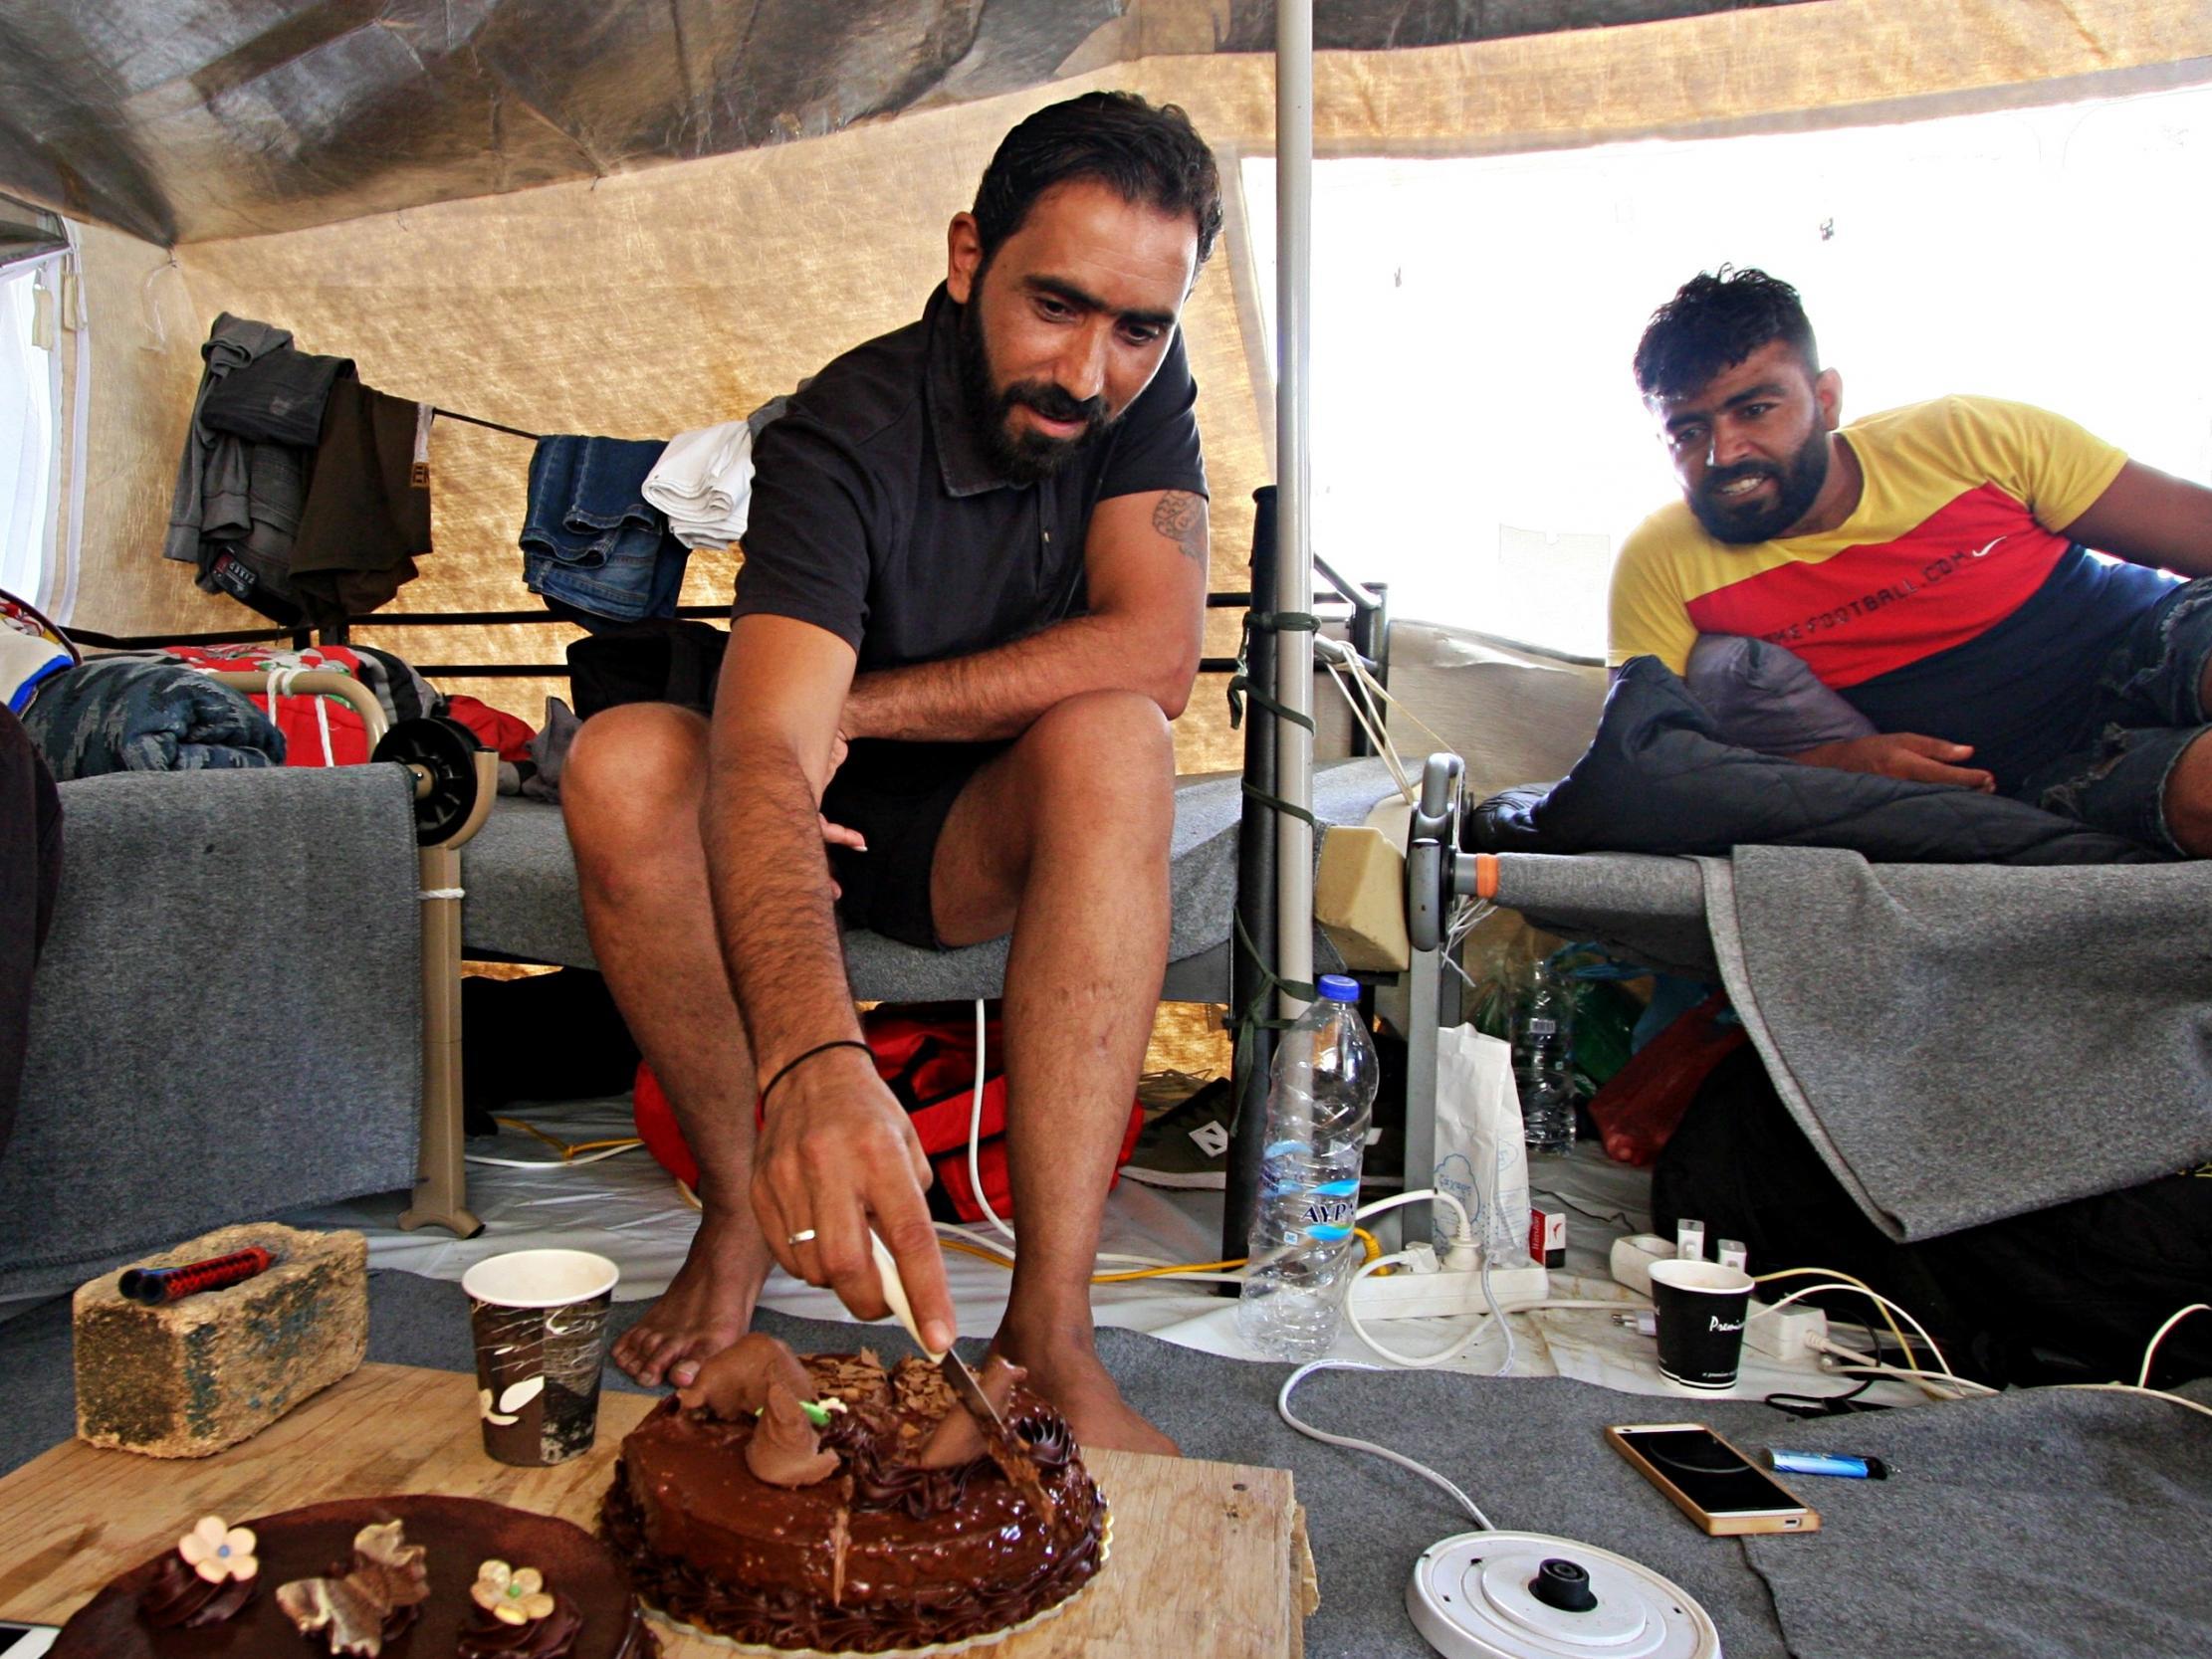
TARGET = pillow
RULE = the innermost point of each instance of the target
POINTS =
(1762, 697)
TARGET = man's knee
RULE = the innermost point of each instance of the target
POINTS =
(2188, 801)
(1101, 764)
(1120, 737)
(631, 772)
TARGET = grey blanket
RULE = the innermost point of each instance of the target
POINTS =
(2046, 1523)
(1992, 1040)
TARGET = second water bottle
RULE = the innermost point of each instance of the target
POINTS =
(1319, 1102)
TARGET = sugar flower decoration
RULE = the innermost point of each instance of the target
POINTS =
(510, 1595)
(217, 1551)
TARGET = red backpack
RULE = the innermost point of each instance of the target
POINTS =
(925, 1053)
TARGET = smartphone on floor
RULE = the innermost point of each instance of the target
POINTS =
(25, 1641)
(1709, 1481)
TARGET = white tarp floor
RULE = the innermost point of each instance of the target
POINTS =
(626, 1208)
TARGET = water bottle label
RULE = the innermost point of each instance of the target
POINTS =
(1330, 1208)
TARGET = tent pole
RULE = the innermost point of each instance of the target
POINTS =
(1293, 473)
(1252, 947)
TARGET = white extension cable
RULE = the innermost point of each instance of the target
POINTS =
(1283, 1408)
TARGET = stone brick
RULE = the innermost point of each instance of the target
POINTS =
(192, 1376)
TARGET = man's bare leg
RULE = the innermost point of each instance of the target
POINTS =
(1065, 838)
(631, 792)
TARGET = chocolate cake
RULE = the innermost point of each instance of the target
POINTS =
(829, 1504)
(416, 1598)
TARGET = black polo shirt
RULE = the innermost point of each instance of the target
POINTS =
(875, 514)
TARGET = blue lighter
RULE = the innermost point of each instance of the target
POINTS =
(1830, 1463)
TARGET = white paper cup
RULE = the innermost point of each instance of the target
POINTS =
(539, 1317)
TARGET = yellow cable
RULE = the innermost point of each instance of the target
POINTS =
(978, 1252)
(568, 1150)
(997, 1260)
(1368, 1244)
(1166, 1272)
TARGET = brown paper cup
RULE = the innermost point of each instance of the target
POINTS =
(540, 1322)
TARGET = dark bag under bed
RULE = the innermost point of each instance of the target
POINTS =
(2067, 1294)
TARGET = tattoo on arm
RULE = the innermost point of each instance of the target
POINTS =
(1180, 517)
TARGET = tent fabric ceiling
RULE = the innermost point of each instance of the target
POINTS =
(195, 119)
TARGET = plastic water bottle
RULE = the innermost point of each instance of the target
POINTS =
(1302, 1248)
(1543, 1071)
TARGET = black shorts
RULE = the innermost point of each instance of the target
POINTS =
(897, 795)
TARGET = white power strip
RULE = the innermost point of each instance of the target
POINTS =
(1443, 1294)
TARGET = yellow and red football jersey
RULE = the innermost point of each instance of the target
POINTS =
(1951, 601)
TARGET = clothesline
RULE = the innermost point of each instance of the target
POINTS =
(456, 415)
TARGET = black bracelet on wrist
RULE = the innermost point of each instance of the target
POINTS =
(790, 1066)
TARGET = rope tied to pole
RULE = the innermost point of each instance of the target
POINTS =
(1242, 685)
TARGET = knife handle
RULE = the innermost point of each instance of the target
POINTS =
(893, 1292)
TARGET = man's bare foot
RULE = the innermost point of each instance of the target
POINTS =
(1071, 1376)
(707, 1306)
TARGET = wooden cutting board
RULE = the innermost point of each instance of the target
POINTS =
(1208, 1558)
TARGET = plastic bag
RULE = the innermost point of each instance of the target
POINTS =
(1637, 1112)
(1480, 1157)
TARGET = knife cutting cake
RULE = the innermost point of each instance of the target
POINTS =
(833, 1505)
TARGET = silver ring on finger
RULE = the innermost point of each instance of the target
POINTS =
(803, 1236)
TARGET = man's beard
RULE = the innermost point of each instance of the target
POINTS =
(1019, 457)
(1743, 524)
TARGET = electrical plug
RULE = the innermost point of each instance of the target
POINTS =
(1463, 1254)
(1420, 1258)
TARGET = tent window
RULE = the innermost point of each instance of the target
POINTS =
(1478, 440)
(31, 425)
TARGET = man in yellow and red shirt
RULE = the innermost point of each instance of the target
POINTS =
(1932, 566)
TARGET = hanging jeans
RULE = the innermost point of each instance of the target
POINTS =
(590, 541)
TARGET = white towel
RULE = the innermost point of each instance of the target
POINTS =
(703, 482)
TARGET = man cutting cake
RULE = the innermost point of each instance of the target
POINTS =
(971, 601)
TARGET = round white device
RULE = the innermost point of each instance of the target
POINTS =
(1522, 1595)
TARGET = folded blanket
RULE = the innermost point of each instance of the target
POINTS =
(131, 715)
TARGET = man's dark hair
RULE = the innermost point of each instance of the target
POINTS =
(1715, 320)
(1153, 157)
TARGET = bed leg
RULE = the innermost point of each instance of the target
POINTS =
(441, 1182)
